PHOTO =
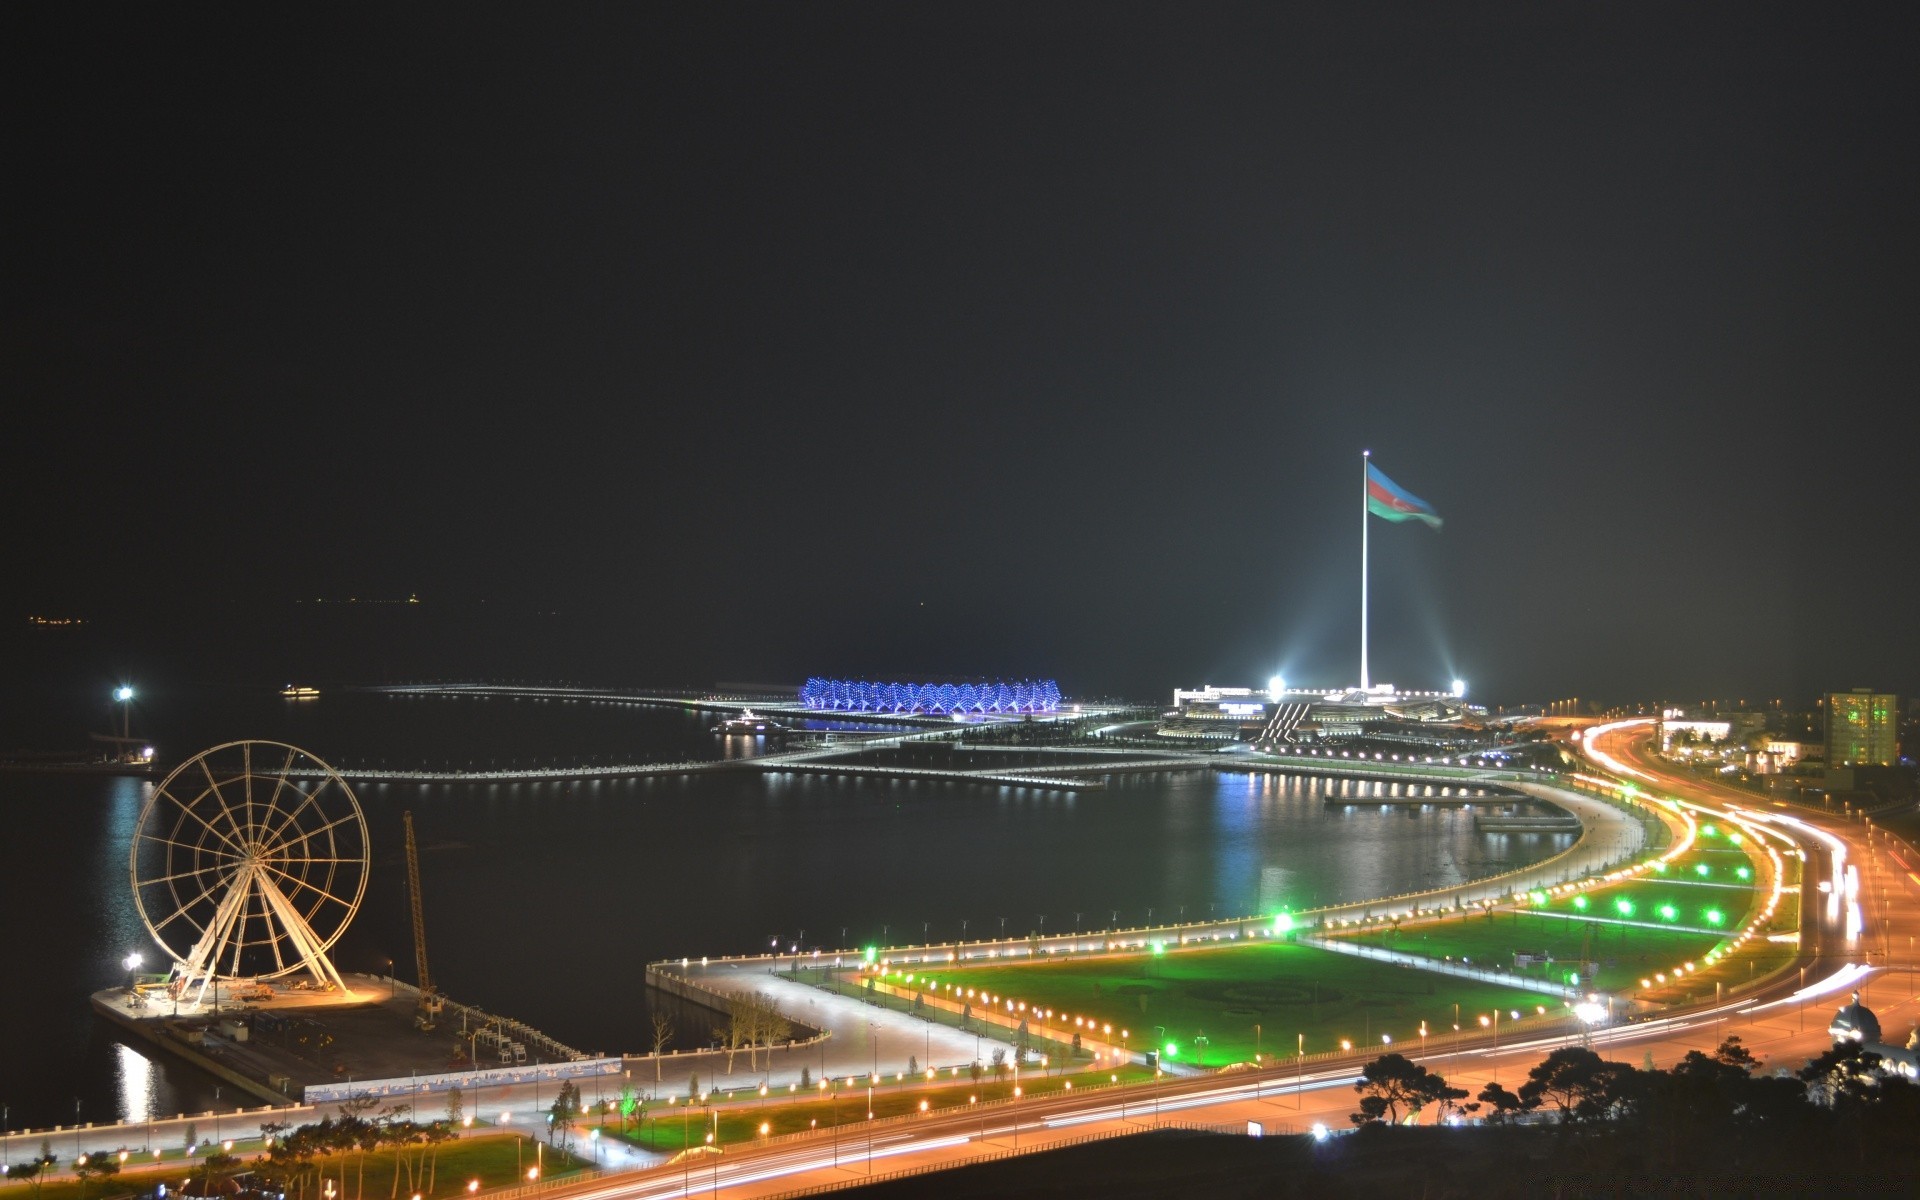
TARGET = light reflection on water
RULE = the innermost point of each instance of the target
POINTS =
(136, 1078)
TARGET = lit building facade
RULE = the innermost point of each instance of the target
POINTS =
(1862, 728)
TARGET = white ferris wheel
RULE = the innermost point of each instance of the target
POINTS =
(248, 862)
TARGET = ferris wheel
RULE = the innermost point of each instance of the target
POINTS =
(248, 861)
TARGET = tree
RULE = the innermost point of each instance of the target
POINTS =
(30, 1170)
(1579, 1083)
(191, 1137)
(564, 1111)
(90, 1167)
(1840, 1076)
(456, 1106)
(693, 1086)
(806, 1078)
(1392, 1082)
(216, 1167)
(662, 1034)
(738, 1030)
(773, 1025)
(1502, 1105)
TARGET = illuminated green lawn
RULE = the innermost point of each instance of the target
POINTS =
(1709, 887)
(671, 1128)
(1221, 994)
(1624, 953)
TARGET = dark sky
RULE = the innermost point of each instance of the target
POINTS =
(746, 342)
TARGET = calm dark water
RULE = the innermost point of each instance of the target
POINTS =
(545, 901)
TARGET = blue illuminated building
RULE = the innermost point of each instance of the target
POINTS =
(959, 699)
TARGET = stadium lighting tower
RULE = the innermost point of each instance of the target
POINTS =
(1275, 686)
(123, 695)
(1459, 688)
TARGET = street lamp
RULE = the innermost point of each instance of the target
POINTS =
(1496, 1042)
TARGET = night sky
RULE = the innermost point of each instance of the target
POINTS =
(675, 344)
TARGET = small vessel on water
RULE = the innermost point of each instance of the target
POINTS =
(749, 724)
(292, 692)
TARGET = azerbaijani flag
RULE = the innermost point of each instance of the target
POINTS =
(1385, 498)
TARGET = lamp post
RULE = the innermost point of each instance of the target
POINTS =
(123, 695)
(1496, 1042)
(1016, 1101)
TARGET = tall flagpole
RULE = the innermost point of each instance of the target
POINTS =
(1364, 456)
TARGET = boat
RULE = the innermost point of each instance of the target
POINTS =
(749, 724)
(300, 693)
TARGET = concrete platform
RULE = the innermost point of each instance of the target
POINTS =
(277, 1047)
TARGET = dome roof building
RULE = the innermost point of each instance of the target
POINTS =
(1855, 1023)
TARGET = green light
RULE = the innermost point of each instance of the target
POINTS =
(1538, 897)
(1629, 789)
(1580, 902)
(1173, 1049)
(1703, 870)
(1743, 873)
(1715, 916)
(1669, 913)
(1660, 867)
(873, 952)
(1159, 947)
(1709, 831)
(1624, 906)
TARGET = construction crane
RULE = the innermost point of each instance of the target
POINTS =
(431, 1002)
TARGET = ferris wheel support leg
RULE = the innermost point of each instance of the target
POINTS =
(301, 935)
(203, 961)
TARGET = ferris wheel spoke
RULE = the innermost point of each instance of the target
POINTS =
(302, 885)
(205, 824)
(157, 880)
(310, 834)
(306, 798)
(220, 797)
(206, 893)
(272, 809)
(246, 784)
